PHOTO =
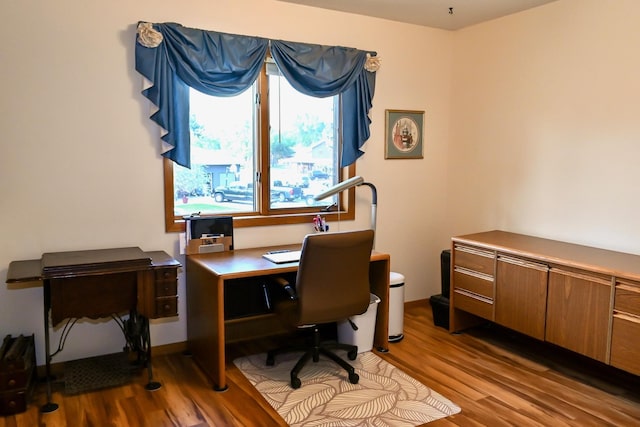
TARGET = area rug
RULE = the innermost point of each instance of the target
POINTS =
(96, 372)
(384, 395)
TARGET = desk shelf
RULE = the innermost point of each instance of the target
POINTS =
(248, 328)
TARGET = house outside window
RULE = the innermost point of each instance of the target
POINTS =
(260, 156)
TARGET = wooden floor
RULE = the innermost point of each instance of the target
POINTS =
(496, 377)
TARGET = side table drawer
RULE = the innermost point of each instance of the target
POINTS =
(166, 289)
(168, 274)
(167, 307)
(166, 292)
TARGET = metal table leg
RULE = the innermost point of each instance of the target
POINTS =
(49, 406)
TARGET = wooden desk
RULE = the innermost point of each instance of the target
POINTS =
(207, 329)
(98, 284)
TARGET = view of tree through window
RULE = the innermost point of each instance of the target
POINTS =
(242, 167)
(303, 142)
(223, 147)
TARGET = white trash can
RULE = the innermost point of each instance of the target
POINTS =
(396, 307)
(366, 323)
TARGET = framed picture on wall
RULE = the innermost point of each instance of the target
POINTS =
(404, 134)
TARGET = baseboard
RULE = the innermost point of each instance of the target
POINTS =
(57, 369)
(416, 303)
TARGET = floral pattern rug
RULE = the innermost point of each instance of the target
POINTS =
(384, 395)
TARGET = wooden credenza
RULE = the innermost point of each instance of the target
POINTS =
(580, 298)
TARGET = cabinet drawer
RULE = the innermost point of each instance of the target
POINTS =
(628, 297)
(474, 304)
(13, 402)
(168, 274)
(475, 259)
(476, 283)
(14, 380)
(166, 289)
(625, 351)
(167, 307)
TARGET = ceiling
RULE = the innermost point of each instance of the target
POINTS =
(429, 13)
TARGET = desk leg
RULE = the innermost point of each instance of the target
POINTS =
(379, 277)
(49, 406)
(220, 375)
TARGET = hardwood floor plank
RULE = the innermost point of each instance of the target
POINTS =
(497, 377)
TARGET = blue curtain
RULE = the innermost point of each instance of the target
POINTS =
(226, 64)
(328, 71)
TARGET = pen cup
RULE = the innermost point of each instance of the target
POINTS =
(319, 224)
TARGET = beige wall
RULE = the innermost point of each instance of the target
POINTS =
(528, 128)
(81, 167)
(545, 136)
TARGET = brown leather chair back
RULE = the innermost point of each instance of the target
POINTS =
(333, 276)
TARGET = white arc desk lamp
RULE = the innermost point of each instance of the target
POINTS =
(354, 182)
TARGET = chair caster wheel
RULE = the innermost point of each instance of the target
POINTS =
(295, 382)
(354, 378)
(352, 354)
(270, 360)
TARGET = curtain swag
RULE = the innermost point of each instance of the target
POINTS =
(174, 58)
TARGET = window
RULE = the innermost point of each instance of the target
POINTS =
(260, 156)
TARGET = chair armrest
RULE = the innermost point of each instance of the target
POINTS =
(286, 286)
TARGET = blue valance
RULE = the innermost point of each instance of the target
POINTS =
(173, 57)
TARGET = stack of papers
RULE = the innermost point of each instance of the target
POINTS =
(280, 257)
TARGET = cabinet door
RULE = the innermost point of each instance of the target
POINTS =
(521, 295)
(578, 312)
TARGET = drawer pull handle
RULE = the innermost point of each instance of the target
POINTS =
(627, 317)
(523, 263)
(473, 295)
(11, 383)
(628, 288)
(474, 251)
(477, 274)
(586, 277)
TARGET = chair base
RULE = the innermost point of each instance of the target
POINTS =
(313, 352)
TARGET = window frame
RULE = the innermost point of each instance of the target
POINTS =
(266, 216)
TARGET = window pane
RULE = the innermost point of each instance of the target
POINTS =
(221, 179)
(303, 144)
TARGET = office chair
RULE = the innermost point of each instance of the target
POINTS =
(332, 284)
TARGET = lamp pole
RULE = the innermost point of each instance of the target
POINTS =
(355, 182)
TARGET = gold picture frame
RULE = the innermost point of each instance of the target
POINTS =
(404, 134)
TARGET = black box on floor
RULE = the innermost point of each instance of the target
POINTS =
(445, 271)
(440, 308)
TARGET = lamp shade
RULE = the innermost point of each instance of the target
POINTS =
(344, 185)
